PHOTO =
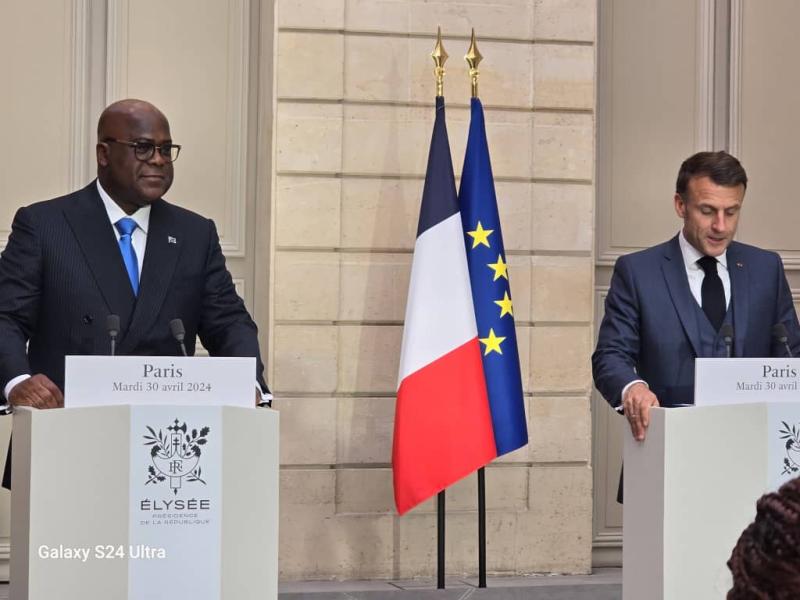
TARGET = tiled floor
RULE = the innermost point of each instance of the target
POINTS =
(603, 584)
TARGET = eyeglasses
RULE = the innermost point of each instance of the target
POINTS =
(145, 150)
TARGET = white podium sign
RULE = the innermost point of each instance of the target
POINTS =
(173, 380)
(175, 502)
(746, 380)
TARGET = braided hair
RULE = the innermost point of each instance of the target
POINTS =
(765, 563)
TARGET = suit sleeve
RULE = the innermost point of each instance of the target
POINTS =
(786, 314)
(617, 352)
(225, 326)
(20, 285)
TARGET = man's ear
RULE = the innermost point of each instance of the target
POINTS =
(102, 154)
(680, 206)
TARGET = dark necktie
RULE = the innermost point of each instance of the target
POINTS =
(126, 226)
(712, 292)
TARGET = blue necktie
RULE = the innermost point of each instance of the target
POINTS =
(126, 226)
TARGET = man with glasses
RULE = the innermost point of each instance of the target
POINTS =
(116, 247)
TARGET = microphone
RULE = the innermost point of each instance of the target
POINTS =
(112, 326)
(726, 331)
(782, 337)
(178, 332)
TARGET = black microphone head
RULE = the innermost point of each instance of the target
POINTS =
(726, 331)
(112, 325)
(176, 327)
(779, 332)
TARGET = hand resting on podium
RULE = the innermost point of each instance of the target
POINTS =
(37, 391)
(636, 407)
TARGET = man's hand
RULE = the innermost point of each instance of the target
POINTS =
(36, 391)
(636, 406)
(263, 401)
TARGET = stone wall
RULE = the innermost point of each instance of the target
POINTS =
(353, 118)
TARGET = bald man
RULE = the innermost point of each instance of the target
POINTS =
(115, 247)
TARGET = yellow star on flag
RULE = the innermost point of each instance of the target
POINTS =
(505, 305)
(499, 268)
(492, 343)
(480, 236)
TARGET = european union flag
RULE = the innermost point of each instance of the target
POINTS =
(491, 290)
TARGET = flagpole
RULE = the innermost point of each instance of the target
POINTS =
(481, 528)
(440, 540)
(473, 58)
(439, 58)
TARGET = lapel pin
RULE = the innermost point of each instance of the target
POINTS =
(740, 265)
(172, 240)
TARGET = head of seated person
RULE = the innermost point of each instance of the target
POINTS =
(765, 563)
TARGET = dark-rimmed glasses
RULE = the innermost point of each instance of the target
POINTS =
(145, 150)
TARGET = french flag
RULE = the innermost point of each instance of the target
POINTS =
(443, 425)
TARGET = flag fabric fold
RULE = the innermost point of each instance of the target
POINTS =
(443, 426)
(491, 289)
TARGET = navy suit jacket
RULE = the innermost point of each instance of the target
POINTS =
(650, 328)
(62, 274)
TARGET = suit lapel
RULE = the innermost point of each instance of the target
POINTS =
(89, 222)
(678, 286)
(160, 258)
(737, 270)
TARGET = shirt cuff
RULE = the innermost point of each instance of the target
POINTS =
(266, 397)
(620, 408)
(13, 383)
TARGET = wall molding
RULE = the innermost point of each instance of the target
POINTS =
(706, 38)
(233, 241)
(5, 560)
(79, 105)
(607, 550)
(232, 232)
(606, 538)
(791, 259)
(118, 29)
(735, 91)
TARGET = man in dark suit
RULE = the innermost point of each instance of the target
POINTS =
(115, 247)
(667, 304)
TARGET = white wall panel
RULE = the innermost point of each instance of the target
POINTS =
(654, 111)
(765, 129)
(43, 74)
(190, 59)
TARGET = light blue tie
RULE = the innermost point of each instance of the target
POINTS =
(126, 227)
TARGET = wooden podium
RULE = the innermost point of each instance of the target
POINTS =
(690, 490)
(145, 501)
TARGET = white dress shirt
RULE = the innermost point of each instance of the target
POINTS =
(142, 218)
(695, 274)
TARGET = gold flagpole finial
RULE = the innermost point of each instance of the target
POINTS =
(473, 58)
(439, 58)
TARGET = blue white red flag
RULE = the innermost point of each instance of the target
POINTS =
(443, 427)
